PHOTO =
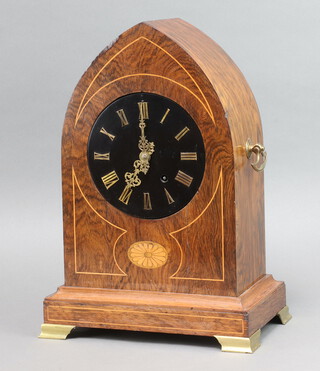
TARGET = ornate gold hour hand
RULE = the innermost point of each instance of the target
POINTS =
(132, 179)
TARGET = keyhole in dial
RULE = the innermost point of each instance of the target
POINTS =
(164, 179)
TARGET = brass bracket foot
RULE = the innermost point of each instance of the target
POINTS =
(239, 344)
(52, 331)
(284, 315)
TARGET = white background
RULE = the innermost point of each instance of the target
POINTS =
(45, 46)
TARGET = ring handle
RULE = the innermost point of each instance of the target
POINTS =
(261, 155)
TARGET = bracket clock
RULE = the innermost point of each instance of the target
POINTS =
(163, 204)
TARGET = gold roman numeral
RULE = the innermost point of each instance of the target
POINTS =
(184, 178)
(101, 156)
(143, 111)
(123, 117)
(104, 131)
(169, 198)
(110, 179)
(188, 156)
(164, 116)
(182, 133)
(125, 195)
(147, 201)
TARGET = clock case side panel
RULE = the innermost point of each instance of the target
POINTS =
(243, 118)
(67, 191)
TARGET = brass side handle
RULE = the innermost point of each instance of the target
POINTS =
(260, 155)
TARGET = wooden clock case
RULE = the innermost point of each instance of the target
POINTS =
(214, 282)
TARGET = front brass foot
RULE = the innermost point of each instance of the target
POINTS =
(52, 331)
(284, 315)
(238, 344)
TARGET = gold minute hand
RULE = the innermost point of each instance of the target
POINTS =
(147, 148)
(143, 115)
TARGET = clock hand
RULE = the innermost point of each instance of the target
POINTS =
(142, 165)
(146, 147)
(132, 179)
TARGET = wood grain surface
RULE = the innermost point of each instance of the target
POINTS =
(168, 312)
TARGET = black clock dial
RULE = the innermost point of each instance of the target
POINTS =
(146, 155)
